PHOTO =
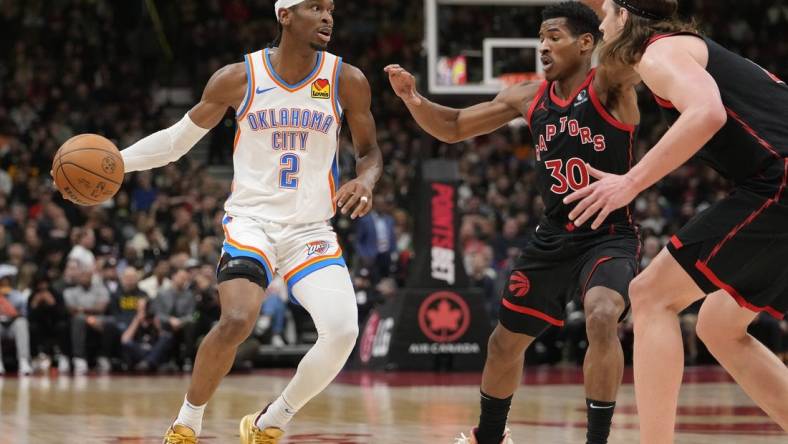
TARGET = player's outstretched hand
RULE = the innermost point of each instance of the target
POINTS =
(355, 196)
(604, 196)
(404, 84)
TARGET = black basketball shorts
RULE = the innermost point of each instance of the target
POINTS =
(740, 245)
(558, 266)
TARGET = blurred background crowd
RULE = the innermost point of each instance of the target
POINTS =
(130, 285)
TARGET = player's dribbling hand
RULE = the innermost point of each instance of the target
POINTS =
(356, 196)
(604, 196)
(404, 84)
(64, 196)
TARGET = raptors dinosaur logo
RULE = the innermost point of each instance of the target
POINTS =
(519, 284)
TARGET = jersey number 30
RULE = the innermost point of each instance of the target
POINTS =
(575, 177)
(288, 172)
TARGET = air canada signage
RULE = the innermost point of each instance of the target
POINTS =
(436, 322)
(444, 316)
(427, 330)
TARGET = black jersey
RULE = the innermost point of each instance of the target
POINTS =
(750, 149)
(567, 134)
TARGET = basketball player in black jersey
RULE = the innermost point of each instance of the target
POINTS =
(732, 114)
(579, 115)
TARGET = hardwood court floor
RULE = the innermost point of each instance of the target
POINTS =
(360, 408)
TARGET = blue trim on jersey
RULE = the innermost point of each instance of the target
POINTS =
(313, 268)
(249, 81)
(336, 92)
(303, 81)
(335, 172)
(235, 252)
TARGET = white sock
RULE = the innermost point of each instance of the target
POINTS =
(278, 414)
(191, 416)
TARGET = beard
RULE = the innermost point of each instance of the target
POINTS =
(318, 46)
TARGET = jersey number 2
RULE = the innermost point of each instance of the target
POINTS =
(288, 172)
(575, 177)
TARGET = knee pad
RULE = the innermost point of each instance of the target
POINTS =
(241, 268)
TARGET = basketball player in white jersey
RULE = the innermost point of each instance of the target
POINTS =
(290, 101)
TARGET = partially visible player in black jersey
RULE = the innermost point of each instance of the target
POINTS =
(579, 115)
(732, 114)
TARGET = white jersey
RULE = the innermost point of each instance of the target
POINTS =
(285, 151)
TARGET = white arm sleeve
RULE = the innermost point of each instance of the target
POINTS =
(163, 147)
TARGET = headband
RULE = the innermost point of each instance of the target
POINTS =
(626, 4)
(284, 4)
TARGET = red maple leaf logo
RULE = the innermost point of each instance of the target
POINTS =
(519, 284)
(444, 317)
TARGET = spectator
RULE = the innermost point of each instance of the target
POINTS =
(158, 281)
(87, 302)
(145, 344)
(122, 309)
(13, 323)
(109, 274)
(510, 238)
(651, 248)
(273, 313)
(482, 276)
(366, 295)
(207, 311)
(689, 323)
(375, 239)
(49, 330)
(175, 310)
(83, 250)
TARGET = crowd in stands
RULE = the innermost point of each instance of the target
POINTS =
(130, 284)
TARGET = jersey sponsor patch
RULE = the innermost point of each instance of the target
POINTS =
(321, 89)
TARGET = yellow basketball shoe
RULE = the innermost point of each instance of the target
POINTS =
(250, 434)
(178, 434)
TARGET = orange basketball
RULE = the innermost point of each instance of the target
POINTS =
(88, 169)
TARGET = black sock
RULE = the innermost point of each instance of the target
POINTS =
(600, 416)
(492, 421)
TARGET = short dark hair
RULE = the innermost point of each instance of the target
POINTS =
(580, 18)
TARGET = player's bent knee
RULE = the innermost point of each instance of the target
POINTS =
(640, 295)
(602, 322)
(713, 328)
(345, 335)
(505, 346)
(235, 326)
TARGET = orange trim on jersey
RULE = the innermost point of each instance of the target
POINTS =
(295, 270)
(332, 189)
(237, 138)
(251, 90)
(334, 91)
(308, 81)
(241, 246)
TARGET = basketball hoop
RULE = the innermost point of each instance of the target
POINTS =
(513, 78)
